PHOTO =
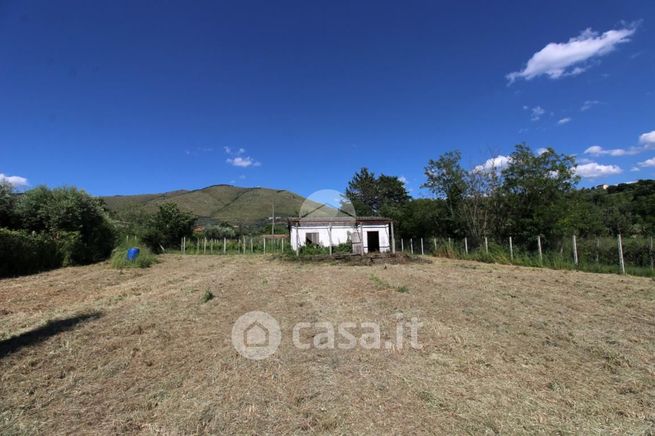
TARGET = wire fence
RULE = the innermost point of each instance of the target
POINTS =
(631, 255)
(243, 245)
(617, 254)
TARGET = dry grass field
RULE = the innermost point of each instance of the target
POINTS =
(505, 350)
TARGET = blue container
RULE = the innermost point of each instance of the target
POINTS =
(133, 253)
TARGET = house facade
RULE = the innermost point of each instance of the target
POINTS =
(367, 234)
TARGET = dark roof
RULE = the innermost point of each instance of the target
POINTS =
(341, 220)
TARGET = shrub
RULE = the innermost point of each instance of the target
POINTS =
(208, 295)
(145, 258)
(168, 226)
(24, 253)
(72, 217)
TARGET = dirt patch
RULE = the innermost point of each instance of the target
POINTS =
(504, 350)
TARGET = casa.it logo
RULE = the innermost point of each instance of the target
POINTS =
(256, 335)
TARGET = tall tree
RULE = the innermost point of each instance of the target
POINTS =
(371, 195)
(7, 205)
(446, 179)
(168, 226)
(535, 188)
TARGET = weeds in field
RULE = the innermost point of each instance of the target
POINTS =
(208, 295)
(591, 258)
(381, 284)
(145, 258)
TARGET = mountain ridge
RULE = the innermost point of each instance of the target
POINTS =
(215, 203)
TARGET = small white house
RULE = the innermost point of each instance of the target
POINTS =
(367, 234)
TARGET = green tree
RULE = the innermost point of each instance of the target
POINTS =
(72, 217)
(168, 226)
(446, 179)
(7, 206)
(535, 188)
(371, 195)
(423, 218)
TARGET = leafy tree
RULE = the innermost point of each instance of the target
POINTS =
(72, 217)
(7, 206)
(371, 195)
(168, 226)
(535, 189)
(423, 217)
(447, 180)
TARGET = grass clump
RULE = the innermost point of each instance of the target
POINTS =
(145, 258)
(208, 295)
(381, 284)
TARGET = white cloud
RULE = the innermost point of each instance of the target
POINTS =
(592, 170)
(243, 162)
(647, 163)
(647, 139)
(564, 121)
(634, 169)
(15, 181)
(238, 159)
(570, 58)
(597, 150)
(588, 104)
(541, 150)
(234, 151)
(537, 112)
(494, 164)
(403, 180)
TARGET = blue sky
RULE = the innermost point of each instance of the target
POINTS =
(135, 97)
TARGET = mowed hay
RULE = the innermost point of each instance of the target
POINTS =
(505, 350)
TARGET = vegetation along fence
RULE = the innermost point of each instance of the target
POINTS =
(629, 255)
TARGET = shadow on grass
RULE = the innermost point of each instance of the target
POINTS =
(51, 328)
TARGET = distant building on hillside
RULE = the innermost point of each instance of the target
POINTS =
(367, 234)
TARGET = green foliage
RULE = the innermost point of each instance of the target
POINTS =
(423, 217)
(206, 296)
(167, 227)
(71, 217)
(220, 231)
(8, 218)
(371, 195)
(25, 253)
(447, 179)
(145, 258)
(534, 192)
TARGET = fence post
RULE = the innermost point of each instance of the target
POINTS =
(204, 247)
(435, 246)
(541, 256)
(486, 245)
(621, 263)
(466, 245)
(393, 240)
(511, 250)
(575, 251)
(411, 245)
(264, 242)
(650, 251)
(597, 248)
(402, 245)
(251, 248)
(422, 252)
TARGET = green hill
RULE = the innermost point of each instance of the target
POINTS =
(218, 203)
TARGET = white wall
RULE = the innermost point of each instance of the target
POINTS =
(339, 235)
